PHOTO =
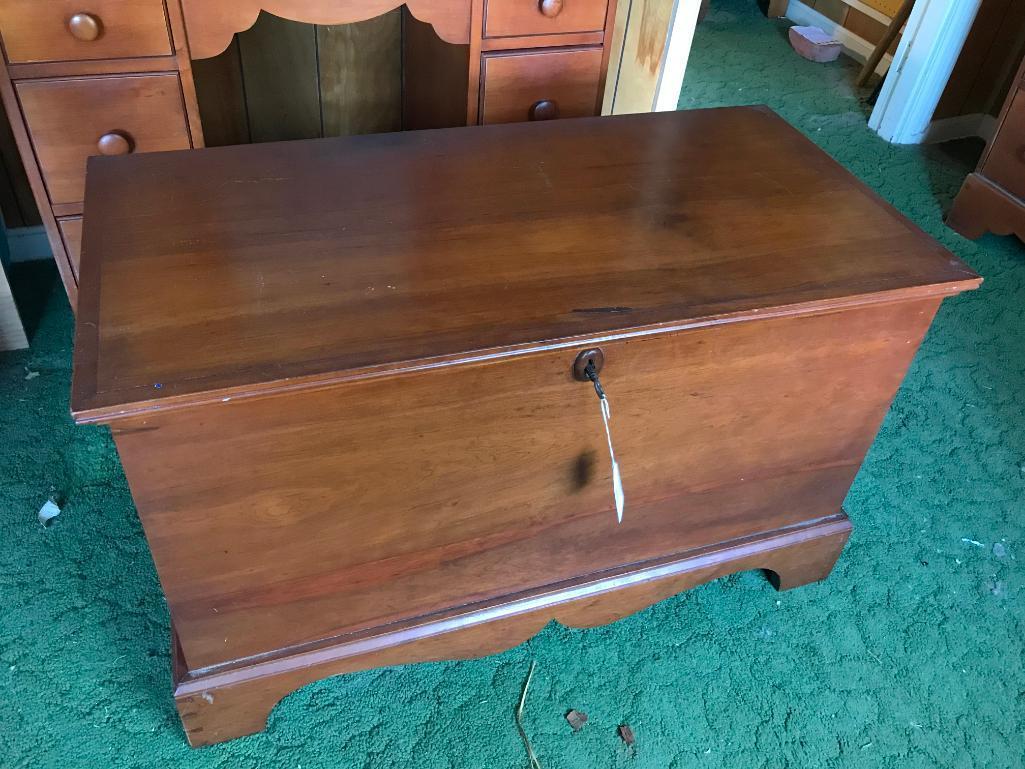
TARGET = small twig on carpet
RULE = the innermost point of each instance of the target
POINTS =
(534, 763)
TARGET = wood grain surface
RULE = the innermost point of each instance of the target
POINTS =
(39, 31)
(341, 509)
(67, 117)
(222, 704)
(515, 81)
(302, 263)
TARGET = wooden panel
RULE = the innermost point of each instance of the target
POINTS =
(887, 7)
(36, 30)
(514, 82)
(832, 9)
(318, 261)
(222, 98)
(1005, 161)
(719, 431)
(361, 76)
(222, 704)
(66, 118)
(985, 68)
(638, 47)
(867, 28)
(505, 18)
(211, 24)
(279, 61)
(12, 332)
(435, 77)
(16, 202)
(71, 232)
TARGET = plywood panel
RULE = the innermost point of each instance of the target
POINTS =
(866, 27)
(435, 77)
(279, 65)
(982, 76)
(12, 333)
(222, 97)
(888, 7)
(361, 76)
(833, 9)
(636, 63)
(16, 201)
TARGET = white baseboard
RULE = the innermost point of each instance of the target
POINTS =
(27, 244)
(961, 127)
(854, 46)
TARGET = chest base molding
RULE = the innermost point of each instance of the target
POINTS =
(232, 700)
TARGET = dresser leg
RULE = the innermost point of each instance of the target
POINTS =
(982, 206)
(220, 714)
(795, 567)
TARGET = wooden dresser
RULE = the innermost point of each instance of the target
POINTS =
(346, 380)
(993, 198)
(113, 77)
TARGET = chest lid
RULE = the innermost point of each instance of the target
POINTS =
(240, 270)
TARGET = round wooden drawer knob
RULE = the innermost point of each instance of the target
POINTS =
(114, 143)
(544, 110)
(85, 27)
(550, 8)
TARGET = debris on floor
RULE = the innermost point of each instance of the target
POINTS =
(48, 512)
(576, 719)
(626, 734)
(531, 756)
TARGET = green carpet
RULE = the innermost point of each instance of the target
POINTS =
(911, 655)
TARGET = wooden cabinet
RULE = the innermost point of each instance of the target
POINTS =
(540, 85)
(1005, 159)
(66, 30)
(342, 377)
(69, 120)
(116, 76)
(993, 198)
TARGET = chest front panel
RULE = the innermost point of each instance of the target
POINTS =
(286, 519)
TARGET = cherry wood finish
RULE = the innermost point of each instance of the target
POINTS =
(46, 43)
(548, 193)
(72, 30)
(210, 24)
(71, 232)
(505, 487)
(71, 119)
(376, 337)
(993, 198)
(504, 18)
(516, 84)
(223, 705)
(1005, 159)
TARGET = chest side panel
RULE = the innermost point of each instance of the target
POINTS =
(283, 520)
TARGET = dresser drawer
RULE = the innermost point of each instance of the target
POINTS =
(1006, 162)
(540, 85)
(506, 18)
(69, 120)
(71, 234)
(56, 30)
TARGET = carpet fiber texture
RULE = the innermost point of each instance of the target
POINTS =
(911, 655)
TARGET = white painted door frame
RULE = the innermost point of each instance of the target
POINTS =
(925, 57)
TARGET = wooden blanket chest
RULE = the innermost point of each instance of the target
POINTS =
(344, 377)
